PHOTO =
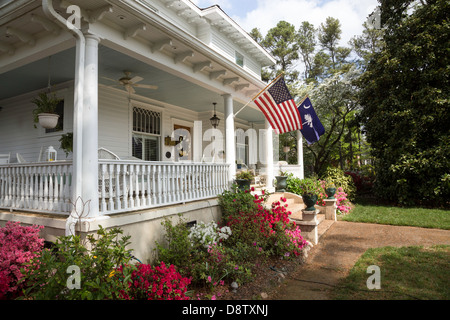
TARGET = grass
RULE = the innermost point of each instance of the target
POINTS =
(406, 273)
(416, 217)
(416, 273)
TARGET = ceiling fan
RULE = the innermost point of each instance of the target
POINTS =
(130, 83)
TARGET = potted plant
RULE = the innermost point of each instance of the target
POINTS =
(330, 189)
(281, 183)
(309, 190)
(243, 179)
(44, 113)
(67, 143)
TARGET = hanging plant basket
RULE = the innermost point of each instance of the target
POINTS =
(48, 120)
(44, 113)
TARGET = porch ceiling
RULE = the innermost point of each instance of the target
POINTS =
(171, 89)
(22, 31)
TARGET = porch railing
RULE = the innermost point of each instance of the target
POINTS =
(132, 185)
(42, 187)
(123, 185)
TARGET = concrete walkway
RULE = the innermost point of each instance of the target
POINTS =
(338, 250)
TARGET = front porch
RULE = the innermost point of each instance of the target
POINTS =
(180, 63)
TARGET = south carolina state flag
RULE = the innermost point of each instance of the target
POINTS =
(312, 127)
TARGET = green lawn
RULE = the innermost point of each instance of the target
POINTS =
(405, 273)
(416, 217)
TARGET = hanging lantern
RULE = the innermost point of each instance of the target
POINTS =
(51, 154)
(215, 120)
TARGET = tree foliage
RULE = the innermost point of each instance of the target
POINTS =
(405, 96)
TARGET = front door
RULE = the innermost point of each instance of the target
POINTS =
(183, 149)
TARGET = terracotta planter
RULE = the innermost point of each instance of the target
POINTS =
(48, 120)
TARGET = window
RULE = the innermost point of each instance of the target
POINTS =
(59, 111)
(239, 59)
(146, 134)
(241, 147)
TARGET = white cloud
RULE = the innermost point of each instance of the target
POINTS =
(267, 13)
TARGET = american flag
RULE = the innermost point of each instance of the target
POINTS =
(279, 108)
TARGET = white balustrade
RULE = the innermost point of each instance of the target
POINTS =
(134, 185)
(43, 187)
(123, 185)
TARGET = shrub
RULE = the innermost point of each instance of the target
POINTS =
(307, 186)
(254, 224)
(177, 247)
(207, 234)
(199, 254)
(342, 203)
(49, 278)
(341, 179)
(155, 283)
(18, 245)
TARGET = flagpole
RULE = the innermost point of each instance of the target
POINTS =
(303, 100)
(280, 75)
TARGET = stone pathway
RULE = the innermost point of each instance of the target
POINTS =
(338, 250)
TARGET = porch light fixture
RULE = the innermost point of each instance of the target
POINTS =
(214, 120)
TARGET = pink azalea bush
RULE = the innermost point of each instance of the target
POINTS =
(251, 222)
(342, 203)
(159, 282)
(18, 245)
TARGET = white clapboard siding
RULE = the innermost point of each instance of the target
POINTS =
(228, 49)
(17, 131)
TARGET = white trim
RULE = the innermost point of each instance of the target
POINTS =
(181, 122)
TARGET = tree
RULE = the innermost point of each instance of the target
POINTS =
(335, 100)
(281, 42)
(367, 44)
(405, 97)
(307, 45)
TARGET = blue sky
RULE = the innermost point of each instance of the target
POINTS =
(265, 14)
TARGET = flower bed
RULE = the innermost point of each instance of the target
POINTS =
(193, 263)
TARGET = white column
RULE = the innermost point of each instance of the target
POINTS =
(300, 154)
(197, 142)
(230, 143)
(90, 126)
(269, 156)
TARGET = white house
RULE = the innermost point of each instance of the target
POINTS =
(134, 76)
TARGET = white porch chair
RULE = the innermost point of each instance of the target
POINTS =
(5, 158)
(20, 159)
(107, 154)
